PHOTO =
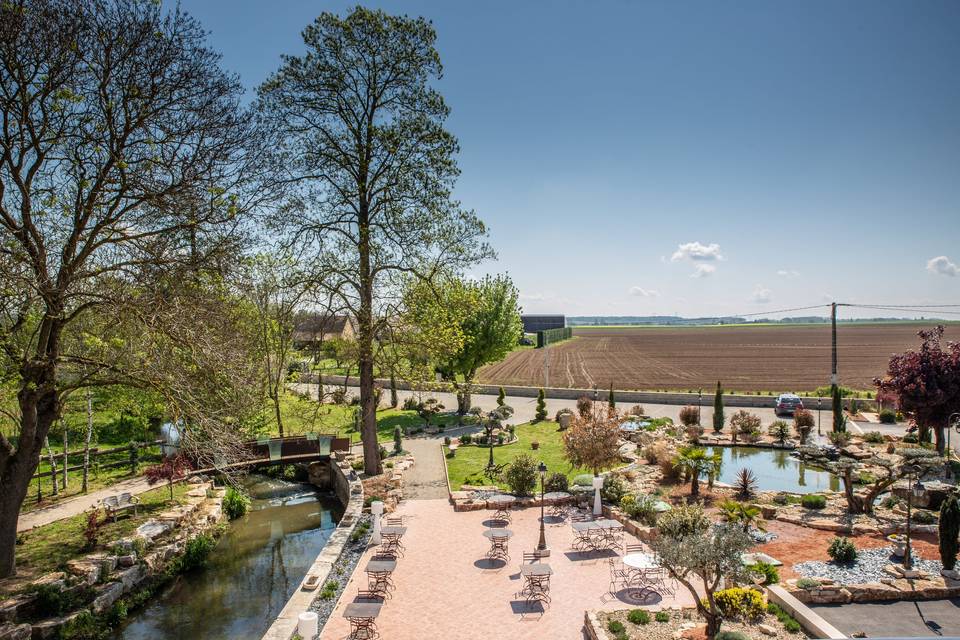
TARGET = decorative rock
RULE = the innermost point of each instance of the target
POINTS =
(153, 528)
(106, 595)
(767, 630)
(16, 607)
(132, 577)
(15, 632)
(127, 560)
(50, 629)
(57, 579)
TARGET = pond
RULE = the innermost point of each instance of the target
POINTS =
(776, 470)
(255, 568)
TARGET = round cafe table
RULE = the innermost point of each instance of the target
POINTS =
(501, 503)
(640, 561)
(558, 503)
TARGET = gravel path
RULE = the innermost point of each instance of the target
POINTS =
(427, 478)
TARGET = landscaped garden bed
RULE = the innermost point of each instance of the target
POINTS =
(671, 624)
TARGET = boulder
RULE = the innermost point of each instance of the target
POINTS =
(15, 631)
(132, 577)
(873, 592)
(153, 528)
(16, 607)
(50, 629)
(86, 569)
(127, 561)
(766, 630)
(106, 595)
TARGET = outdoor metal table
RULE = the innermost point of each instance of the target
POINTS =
(363, 619)
(597, 535)
(391, 539)
(646, 575)
(558, 508)
(501, 503)
(378, 573)
(536, 577)
(499, 549)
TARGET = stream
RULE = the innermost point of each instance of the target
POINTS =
(252, 572)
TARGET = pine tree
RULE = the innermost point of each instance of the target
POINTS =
(611, 401)
(949, 530)
(718, 418)
(501, 397)
(541, 406)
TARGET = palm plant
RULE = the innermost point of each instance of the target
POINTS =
(743, 513)
(745, 484)
(693, 462)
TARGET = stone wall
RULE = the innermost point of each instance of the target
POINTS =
(130, 564)
(896, 586)
(338, 476)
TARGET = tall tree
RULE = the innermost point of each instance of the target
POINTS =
(926, 383)
(364, 144)
(276, 286)
(490, 327)
(120, 154)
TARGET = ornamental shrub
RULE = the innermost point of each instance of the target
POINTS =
(780, 431)
(613, 489)
(501, 397)
(689, 416)
(842, 550)
(521, 475)
(808, 583)
(615, 626)
(662, 616)
(639, 617)
(873, 436)
(888, 416)
(813, 501)
(771, 575)
(584, 406)
(839, 438)
(541, 407)
(640, 508)
(556, 481)
(718, 418)
(731, 635)
(740, 603)
(235, 503)
(397, 440)
(583, 480)
(196, 552)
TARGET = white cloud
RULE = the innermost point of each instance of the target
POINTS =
(697, 251)
(761, 295)
(941, 265)
(788, 273)
(533, 297)
(703, 270)
(644, 293)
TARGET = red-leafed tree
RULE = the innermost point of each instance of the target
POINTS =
(170, 470)
(926, 383)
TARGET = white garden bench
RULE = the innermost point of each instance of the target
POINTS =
(116, 504)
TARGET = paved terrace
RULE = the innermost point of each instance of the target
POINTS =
(447, 589)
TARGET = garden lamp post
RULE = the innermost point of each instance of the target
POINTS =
(954, 422)
(818, 416)
(489, 428)
(916, 491)
(542, 468)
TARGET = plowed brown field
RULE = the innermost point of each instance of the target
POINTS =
(744, 358)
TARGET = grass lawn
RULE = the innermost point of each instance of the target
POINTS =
(301, 415)
(47, 548)
(98, 479)
(467, 466)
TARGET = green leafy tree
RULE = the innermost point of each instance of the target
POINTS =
(371, 170)
(123, 176)
(541, 406)
(693, 552)
(718, 418)
(489, 329)
(694, 462)
(593, 441)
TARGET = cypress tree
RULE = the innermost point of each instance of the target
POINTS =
(611, 401)
(541, 406)
(397, 440)
(718, 418)
(839, 421)
(949, 530)
(501, 397)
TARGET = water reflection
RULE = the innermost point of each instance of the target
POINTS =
(775, 469)
(255, 568)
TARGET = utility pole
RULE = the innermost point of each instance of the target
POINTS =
(833, 332)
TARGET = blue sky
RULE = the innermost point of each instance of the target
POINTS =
(698, 158)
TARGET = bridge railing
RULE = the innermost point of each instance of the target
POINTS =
(318, 444)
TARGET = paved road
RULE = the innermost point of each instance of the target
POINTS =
(79, 504)
(930, 618)
(525, 408)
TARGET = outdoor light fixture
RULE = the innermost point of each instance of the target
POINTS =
(918, 489)
(542, 468)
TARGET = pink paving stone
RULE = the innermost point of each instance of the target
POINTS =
(446, 590)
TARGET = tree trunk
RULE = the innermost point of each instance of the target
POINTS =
(66, 459)
(86, 444)
(694, 485)
(368, 429)
(938, 438)
(276, 410)
(713, 625)
(319, 387)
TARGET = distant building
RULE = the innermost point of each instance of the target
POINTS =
(535, 323)
(315, 328)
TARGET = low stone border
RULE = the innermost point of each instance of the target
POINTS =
(926, 587)
(285, 624)
(810, 620)
(855, 529)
